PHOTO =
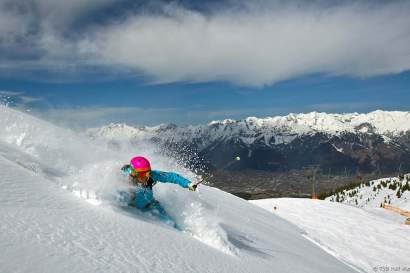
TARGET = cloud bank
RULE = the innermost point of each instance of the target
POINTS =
(95, 116)
(253, 43)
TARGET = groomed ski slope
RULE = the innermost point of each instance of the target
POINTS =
(372, 239)
(45, 228)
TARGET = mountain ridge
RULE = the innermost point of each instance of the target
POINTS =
(345, 145)
(388, 123)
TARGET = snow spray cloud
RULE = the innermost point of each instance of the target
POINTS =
(78, 160)
(246, 42)
(87, 166)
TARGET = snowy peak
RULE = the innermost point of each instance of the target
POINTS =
(270, 130)
(122, 131)
(365, 142)
(382, 121)
(339, 142)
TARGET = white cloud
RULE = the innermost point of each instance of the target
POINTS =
(28, 99)
(97, 116)
(259, 43)
(7, 93)
(37, 34)
(262, 45)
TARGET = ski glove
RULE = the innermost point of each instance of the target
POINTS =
(192, 187)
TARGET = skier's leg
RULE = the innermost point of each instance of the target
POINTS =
(160, 212)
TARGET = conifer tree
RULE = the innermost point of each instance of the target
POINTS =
(406, 187)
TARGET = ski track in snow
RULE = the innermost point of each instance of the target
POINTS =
(44, 228)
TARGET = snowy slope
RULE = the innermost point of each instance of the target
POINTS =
(45, 228)
(391, 190)
(273, 130)
(370, 240)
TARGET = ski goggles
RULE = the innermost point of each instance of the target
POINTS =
(140, 175)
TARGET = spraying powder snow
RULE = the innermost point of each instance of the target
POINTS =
(89, 168)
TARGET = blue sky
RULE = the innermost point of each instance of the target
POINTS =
(186, 62)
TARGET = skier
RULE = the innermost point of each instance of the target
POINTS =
(141, 181)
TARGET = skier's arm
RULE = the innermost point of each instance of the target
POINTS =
(125, 197)
(169, 177)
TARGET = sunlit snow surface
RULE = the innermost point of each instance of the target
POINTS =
(373, 239)
(49, 176)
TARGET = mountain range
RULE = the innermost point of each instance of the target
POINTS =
(341, 145)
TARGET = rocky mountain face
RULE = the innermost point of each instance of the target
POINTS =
(338, 145)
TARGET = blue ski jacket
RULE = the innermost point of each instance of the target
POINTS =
(142, 196)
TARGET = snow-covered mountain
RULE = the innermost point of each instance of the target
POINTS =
(392, 190)
(271, 130)
(45, 228)
(338, 143)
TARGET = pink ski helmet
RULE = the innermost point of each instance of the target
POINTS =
(140, 164)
